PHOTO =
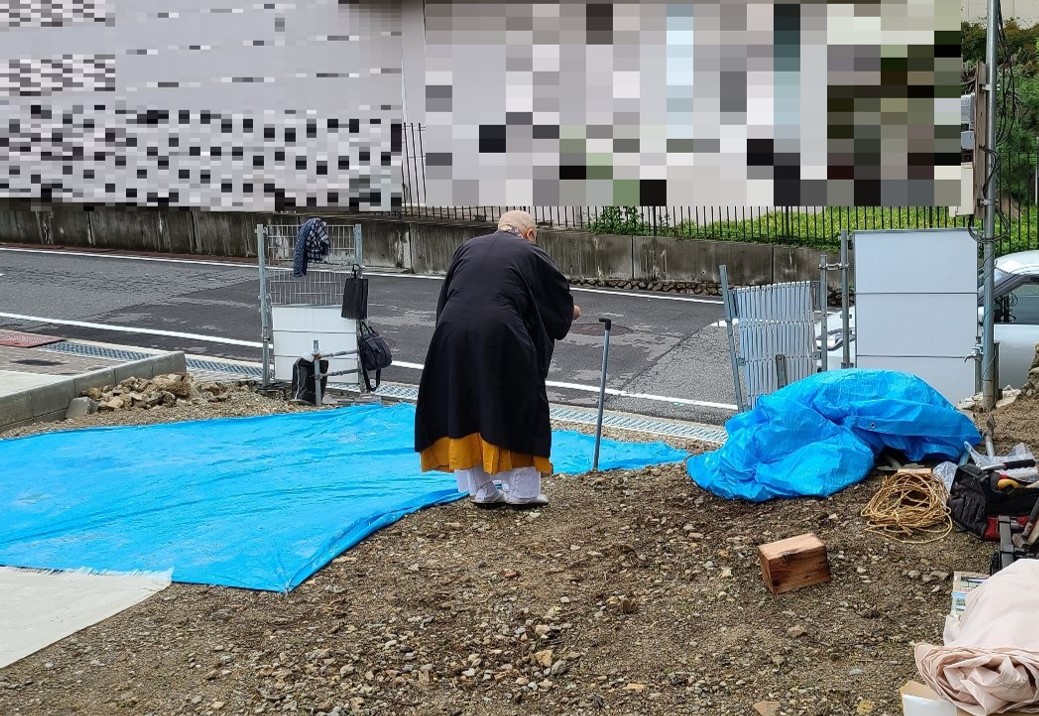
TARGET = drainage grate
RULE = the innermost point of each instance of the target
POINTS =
(195, 365)
(83, 349)
(214, 366)
(401, 392)
(689, 431)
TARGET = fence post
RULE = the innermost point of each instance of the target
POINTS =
(265, 329)
(824, 294)
(845, 298)
(723, 270)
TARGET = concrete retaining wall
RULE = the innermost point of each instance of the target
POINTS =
(49, 402)
(422, 246)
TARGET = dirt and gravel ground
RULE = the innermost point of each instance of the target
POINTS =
(632, 593)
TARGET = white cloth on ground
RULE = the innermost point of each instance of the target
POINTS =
(521, 485)
(990, 661)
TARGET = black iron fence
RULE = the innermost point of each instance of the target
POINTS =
(799, 226)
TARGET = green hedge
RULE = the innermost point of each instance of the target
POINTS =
(819, 230)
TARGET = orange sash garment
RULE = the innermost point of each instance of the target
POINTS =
(450, 454)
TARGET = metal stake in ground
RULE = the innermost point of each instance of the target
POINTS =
(602, 390)
(318, 398)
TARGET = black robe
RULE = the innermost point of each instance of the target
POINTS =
(501, 309)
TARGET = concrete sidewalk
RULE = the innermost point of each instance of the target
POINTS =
(38, 383)
(26, 368)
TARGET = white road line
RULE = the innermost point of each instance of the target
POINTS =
(654, 296)
(133, 329)
(641, 396)
(410, 366)
(396, 364)
(121, 257)
(230, 264)
(609, 391)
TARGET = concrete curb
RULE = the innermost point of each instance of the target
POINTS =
(49, 402)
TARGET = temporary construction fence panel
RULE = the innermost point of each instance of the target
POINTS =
(298, 310)
(774, 340)
(916, 305)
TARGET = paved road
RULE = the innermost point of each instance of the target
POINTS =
(660, 347)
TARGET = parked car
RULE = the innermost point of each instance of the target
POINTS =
(1016, 319)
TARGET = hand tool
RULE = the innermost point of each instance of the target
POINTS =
(1000, 467)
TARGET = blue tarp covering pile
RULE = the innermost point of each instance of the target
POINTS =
(822, 434)
(260, 503)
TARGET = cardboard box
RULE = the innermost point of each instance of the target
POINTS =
(963, 583)
(920, 700)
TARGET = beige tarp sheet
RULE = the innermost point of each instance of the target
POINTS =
(990, 661)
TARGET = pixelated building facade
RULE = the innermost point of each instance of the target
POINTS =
(212, 104)
(258, 106)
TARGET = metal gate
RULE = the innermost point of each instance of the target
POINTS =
(297, 311)
(771, 336)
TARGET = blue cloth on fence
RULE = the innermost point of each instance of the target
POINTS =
(822, 434)
(312, 244)
(259, 503)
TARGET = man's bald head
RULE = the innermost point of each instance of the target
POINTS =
(519, 222)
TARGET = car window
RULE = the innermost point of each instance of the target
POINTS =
(998, 277)
(1003, 281)
(1021, 306)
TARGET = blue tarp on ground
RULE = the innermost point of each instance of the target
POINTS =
(259, 503)
(822, 434)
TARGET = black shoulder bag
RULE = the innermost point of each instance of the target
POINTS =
(355, 296)
(373, 352)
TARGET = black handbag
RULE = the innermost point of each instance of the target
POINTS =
(374, 354)
(355, 296)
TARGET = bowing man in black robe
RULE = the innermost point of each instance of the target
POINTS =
(482, 405)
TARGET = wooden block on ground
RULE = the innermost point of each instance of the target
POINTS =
(794, 563)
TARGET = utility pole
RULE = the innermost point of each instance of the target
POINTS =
(988, 341)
